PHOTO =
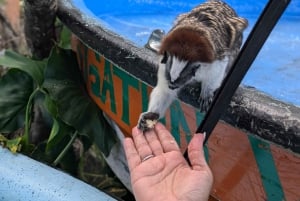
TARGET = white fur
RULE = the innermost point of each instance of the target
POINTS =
(161, 96)
(209, 74)
(177, 67)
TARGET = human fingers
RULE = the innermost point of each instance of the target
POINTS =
(196, 153)
(141, 144)
(153, 142)
(131, 153)
(166, 139)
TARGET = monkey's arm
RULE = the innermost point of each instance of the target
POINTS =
(160, 99)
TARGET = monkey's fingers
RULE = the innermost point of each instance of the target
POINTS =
(147, 121)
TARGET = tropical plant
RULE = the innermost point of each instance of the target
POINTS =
(57, 84)
(54, 90)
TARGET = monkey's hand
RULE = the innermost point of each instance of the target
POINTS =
(206, 97)
(147, 121)
(204, 103)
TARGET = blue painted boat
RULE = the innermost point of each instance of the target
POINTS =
(249, 151)
(119, 32)
(254, 149)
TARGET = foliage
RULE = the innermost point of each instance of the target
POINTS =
(54, 88)
(57, 79)
(91, 168)
(13, 101)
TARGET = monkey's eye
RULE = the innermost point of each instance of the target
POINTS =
(164, 59)
(195, 68)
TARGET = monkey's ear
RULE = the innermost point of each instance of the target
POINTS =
(165, 58)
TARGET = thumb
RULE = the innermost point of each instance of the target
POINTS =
(196, 153)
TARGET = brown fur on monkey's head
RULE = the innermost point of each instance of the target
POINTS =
(208, 32)
(189, 45)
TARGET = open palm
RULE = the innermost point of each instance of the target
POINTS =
(159, 171)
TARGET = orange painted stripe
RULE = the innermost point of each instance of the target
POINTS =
(236, 175)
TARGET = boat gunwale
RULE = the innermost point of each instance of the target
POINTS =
(250, 109)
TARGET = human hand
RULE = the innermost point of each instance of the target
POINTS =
(159, 171)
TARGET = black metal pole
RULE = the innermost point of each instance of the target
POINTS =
(259, 34)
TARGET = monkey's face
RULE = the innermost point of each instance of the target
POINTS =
(178, 72)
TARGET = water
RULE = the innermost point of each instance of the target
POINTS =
(276, 70)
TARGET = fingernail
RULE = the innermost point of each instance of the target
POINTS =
(204, 133)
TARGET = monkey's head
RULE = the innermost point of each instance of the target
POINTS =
(183, 50)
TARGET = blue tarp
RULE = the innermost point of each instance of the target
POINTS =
(24, 179)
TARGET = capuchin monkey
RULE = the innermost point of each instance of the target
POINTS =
(200, 47)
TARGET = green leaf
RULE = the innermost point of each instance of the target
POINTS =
(65, 38)
(13, 145)
(51, 106)
(15, 89)
(39, 153)
(53, 134)
(59, 129)
(34, 68)
(58, 132)
(75, 108)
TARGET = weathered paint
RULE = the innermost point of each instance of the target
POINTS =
(247, 168)
(288, 169)
(267, 169)
(244, 167)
